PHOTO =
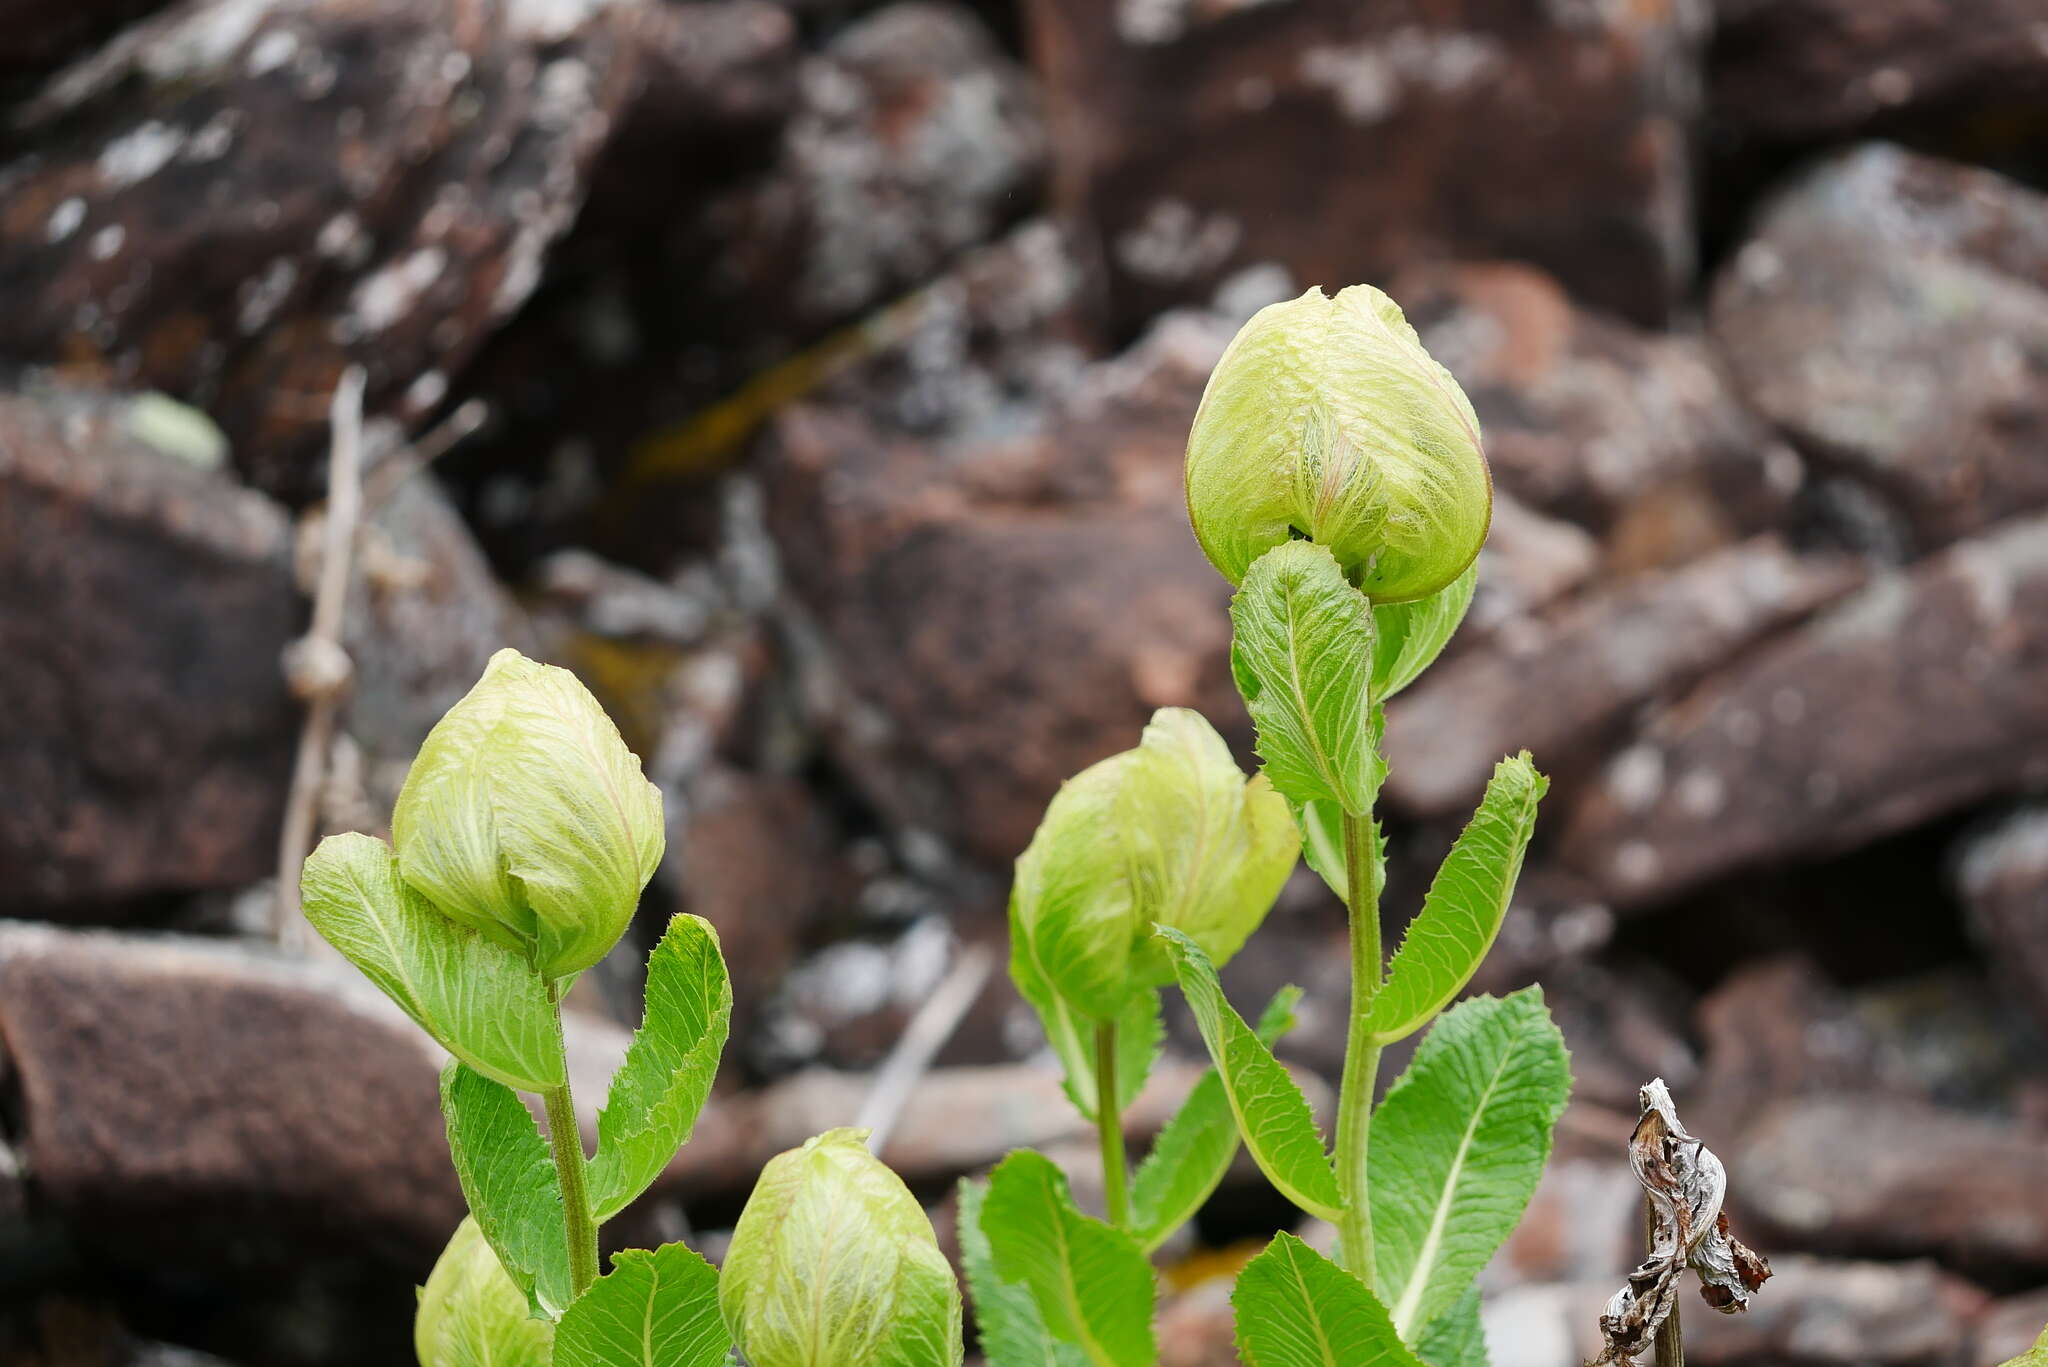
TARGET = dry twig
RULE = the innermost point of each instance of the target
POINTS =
(920, 1043)
(1684, 1185)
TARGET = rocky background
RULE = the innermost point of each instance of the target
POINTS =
(833, 363)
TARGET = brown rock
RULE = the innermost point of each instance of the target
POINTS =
(1816, 1310)
(144, 602)
(1922, 692)
(1591, 663)
(1778, 1029)
(1636, 435)
(230, 202)
(1009, 610)
(1882, 315)
(2003, 878)
(1805, 69)
(1868, 1175)
(1343, 141)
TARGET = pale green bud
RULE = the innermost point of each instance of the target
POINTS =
(1170, 833)
(526, 818)
(833, 1264)
(472, 1315)
(1326, 419)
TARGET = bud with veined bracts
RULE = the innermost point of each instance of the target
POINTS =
(1170, 833)
(470, 1311)
(527, 819)
(833, 1264)
(1327, 420)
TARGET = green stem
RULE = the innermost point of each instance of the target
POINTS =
(1361, 1052)
(1109, 1126)
(565, 1139)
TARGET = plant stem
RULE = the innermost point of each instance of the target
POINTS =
(565, 1140)
(1361, 1052)
(1670, 1340)
(1109, 1126)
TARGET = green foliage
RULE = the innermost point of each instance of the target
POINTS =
(1327, 419)
(2037, 1356)
(1466, 903)
(833, 1264)
(1139, 1033)
(1091, 1285)
(1407, 637)
(471, 1314)
(1456, 1338)
(1301, 653)
(1272, 1114)
(654, 1309)
(1192, 1154)
(1296, 1308)
(1459, 1142)
(1011, 1331)
(503, 1165)
(480, 1001)
(527, 819)
(658, 1091)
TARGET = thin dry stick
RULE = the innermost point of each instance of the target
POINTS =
(920, 1043)
(1670, 1339)
(316, 665)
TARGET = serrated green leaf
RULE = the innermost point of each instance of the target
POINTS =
(1011, 1331)
(1457, 1146)
(1465, 905)
(1456, 1338)
(833, 1264)
(471, 1314)
(1326, 418)
(508, 1179)
(1092, 1286)
(1140, 1033)
(1302, 652)
(1272, 1115)
(654, 1308)
(1409, 636)
(1192, 1154)
(657, 1093)
(481, 1002)
(2036, 1356)
(1296, 1308)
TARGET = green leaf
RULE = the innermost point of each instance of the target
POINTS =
(481, 1002)
(1466, 902)
(1011, 1331)
(472, 1315)
(1192, 1154)
(508, 1179)
(833, 1264)
(1302, 654)
(1090, 1283)
(1409, 636)
(653, 1309)
(1322, 844)
(1272, 1114)
(2037, 1356)
(657, 1093)
(1458, 1143)
(1327, 419)
(1140, 1033)
(1296, 1308)
(1456, 1338)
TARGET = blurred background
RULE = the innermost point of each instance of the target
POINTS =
(811, 376)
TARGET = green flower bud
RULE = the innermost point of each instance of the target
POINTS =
(833, 1264)
(471, 1314)
(1326, 419)
(1170, 833)
(526, 818)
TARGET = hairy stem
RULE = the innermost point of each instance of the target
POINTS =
(1361, 1052)
(1109, 1126)
(565, 1140)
